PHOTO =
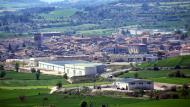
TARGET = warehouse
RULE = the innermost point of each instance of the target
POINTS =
(73, 68)
(132, 84)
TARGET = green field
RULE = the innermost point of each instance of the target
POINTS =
(59, 13)
(9, 98)
(160, 76)
(20, 80)
(183, 61)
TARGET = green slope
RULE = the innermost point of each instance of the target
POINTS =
(183, 61)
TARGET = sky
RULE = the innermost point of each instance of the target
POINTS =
(58, 0)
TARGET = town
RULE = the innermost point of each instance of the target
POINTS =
(86, 53)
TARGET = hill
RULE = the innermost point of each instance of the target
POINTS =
(146, 13)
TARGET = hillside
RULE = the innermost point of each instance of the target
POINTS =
(183, 61)
(149, 14)
(98, 17)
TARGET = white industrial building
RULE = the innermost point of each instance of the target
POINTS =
(131, 84)
(73, 68)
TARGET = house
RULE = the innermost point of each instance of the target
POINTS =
(132, 84)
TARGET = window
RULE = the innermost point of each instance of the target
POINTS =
(141, 83)
(148, 82)
(132, 83)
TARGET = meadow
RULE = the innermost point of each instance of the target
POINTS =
(159, 76)
(183, 61)
(17, 84)
(34, 99)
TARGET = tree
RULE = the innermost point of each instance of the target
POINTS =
(177, 67)
(103, 105)
(2, 73)
(136, 75)
(83, 104)
(33, 70)
(185, 87)
(2, 67)
(185, 92)
(38, 74)
(65, 76)
(22, 98)
(59, 85)
(17, 66)
(156, 68)
(10, 48)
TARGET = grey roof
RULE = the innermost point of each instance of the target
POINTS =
(66, 62)
(128, 80)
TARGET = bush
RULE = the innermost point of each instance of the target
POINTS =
(174, 88)
(2, 74)
(2, 67)
(59, 85)
(38, 74)
(177, 67)
(185, 87)
(22, 98)
(65, 76)
(156, 68)
(33, 70)
(136, 75)
(83, 104)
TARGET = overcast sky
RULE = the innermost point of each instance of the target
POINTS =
(58, 0)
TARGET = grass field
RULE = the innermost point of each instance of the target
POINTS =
(59, 13)
(183, 61)
(20, 80)
(9, 98)
(160, 76)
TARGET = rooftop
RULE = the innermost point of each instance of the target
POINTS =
(66, 62)
(128, 80)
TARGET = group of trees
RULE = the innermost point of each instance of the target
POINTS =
(177, 74)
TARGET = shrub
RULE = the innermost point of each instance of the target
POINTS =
(136, 75)
(17, 66)
(156, 68)
(22, 98)
(83, 104)
(174, 88)
(65, 76)
(38, 74)
(177, 67)
(59, 85)
(185, 87)
(2, 67)
(33, 70)
(2, 73)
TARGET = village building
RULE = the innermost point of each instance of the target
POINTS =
(132, 84)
